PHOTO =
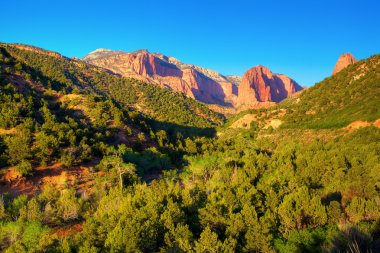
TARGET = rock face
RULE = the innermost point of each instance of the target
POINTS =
(38, 50)
(343, 61)
(199, 83)
(259, 84)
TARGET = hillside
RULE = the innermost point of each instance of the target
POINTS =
(350, 95)
(70, 75)
(344, 98)
(57, 113)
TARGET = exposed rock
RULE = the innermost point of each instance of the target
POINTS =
(38, 50)
(343, 61)
(200, 83)
(259, 84)
(234, 79)
(197, 82)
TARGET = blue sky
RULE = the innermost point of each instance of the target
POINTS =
(302, 39)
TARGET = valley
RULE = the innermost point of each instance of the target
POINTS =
(139, 152)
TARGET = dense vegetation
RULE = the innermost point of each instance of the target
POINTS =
(245, 191)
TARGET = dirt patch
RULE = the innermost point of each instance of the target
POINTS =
(274, 123)
(70, 97)
(244, 122)
(69, 230)
(80, 177)
(377, 123)
(7, 131)
(222, 109)
(361, 123)
(358, 124)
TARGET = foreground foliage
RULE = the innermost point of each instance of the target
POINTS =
(232, 197)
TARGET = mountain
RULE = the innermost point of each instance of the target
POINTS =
(196, 82)
(343, 61)
(259, 84)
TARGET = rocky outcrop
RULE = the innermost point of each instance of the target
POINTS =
(38, 50)
(343, 61)
(259, 84)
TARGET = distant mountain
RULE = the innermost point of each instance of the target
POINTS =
(343, 61)
(196, 82)
(259, 84)
(202, 84)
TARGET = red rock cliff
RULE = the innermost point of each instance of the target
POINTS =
(259, 84)
(343, 61)
(196, 82)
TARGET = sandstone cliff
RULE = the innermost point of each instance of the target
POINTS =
(200, 83)
(259, 84)
(343, 61)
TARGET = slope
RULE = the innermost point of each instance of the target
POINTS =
(75, 75)
(59, 117)
(350, 95)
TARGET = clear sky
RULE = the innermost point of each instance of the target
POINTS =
(302, 39)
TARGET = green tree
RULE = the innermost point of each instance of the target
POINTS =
(68, 205)
(46, 146)
(19, 148)
(114, 163)
(208, 242)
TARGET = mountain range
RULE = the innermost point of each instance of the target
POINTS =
(258, 84)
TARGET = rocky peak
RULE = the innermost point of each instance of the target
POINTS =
(343, 61)
(140, 51)
(259, 84)
(100, 53)
(99, 50)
